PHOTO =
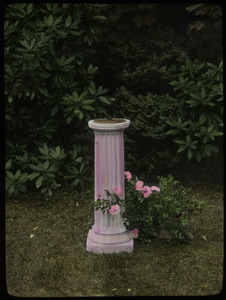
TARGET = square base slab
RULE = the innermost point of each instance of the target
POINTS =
(116, 248)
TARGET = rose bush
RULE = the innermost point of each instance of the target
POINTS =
(153, 211)
(160, 210)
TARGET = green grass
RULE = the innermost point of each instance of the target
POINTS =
(46, 256)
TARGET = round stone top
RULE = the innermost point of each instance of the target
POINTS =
(109, 125)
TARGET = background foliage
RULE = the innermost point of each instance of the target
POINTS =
(50, 93)
(66, 63)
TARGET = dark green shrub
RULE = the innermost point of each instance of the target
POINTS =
(198, 126)
(50, 93)
(142, 65)
(205, 38)
(147, 146)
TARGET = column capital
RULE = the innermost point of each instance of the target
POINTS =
(105, 125)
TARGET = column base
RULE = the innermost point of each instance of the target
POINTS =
(109, 247)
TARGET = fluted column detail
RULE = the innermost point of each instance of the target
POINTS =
(108, 234)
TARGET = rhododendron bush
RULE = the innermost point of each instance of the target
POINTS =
(152, 211)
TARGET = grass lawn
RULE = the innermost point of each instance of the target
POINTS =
(46, 255)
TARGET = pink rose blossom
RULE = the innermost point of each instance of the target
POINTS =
(128, 175)
(146, 191)
(114, 209)
(139, 185)
(155, 188)
(135, 233)
(118, 191)
(99, 195)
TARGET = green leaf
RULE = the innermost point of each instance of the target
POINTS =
(29, 8)
(192, 145)
(91, 69)
(8, 164)
(80, 114)
(217, 133)
(172, 123)
(104, 100)
(54, 111)
(69, 60)
(62, 60)
(179, 142)
(210, 128)
(10, 98)
(46, 165)
(68, 109)
(179, 122)
(174, 83)
(58, 20)
(49, 191)
(82, 96)
(76, 181)
(68, 21)
(81, 168)
(69, 119)
(88, 101)
(49, 20)
(203, 93)
(188, 139)
(58, 151)
(44, 189)
(33, 176)
(87, 107)
(101, 91)
(51, 175)
(76, 33)
(181, 148)
(92, 88)
(172, 131)
(202, 119)
(78, 159)
(25, 44)
(10, 175)
(44, 150)
(12, 189)
(207, 150)
(48, 5)
(39, 182)
(75, 95)
(17, 174)
(210, 104)
(213, 148)
(194, 96)
(23, 177)
(192, 102)
(43, 90)
(213, 66)
(101, 18)
(32, 43)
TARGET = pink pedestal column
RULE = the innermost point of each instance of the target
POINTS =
(108, 234)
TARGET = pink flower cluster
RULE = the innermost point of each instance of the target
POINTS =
(114, 210)
(118, 191)
(146, 190)
(128, 175)
(135, 233)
